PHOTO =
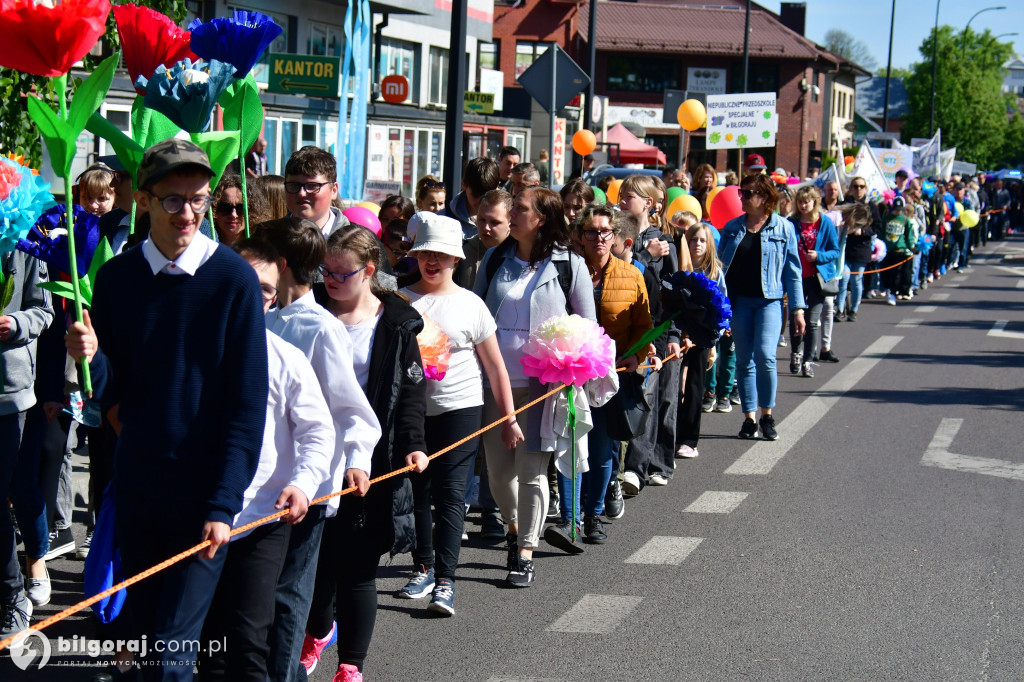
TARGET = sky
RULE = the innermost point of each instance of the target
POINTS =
(868, 21)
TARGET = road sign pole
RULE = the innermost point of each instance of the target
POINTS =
(554, 114)
(456, 98)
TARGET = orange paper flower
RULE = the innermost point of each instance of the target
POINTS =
(47, 41)
(435, 349)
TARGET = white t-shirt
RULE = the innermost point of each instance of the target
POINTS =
(465, 319)
(513, 322)
(362, 345)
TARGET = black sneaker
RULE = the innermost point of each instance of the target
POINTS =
(749, 429)
(15, 616)
(734, 397)
(829, 356)
(768, 431)
(851, 316)
(795, 360)
(593, 531)
(61, 543)
(708, 403)
(560, 536)
(553, 510)
(491, 526)
(512, 546)
(522, 573)
(614, 503)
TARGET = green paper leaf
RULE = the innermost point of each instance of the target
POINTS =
(59, 137)
(243, 111)
(8, 292)
(222, 148)
(65, 290)
(650, 336)
(128, 150)
(150, 127)
(100, 256)
(91, 93)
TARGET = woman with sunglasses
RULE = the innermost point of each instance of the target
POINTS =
(761, 263)
(430, 194)
(229, 209)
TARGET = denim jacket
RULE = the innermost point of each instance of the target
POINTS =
(780, 262)
(827, 248)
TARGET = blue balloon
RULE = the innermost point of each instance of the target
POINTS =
(928, 189)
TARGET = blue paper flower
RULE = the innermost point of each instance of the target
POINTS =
(704, 311)
(22, 206)
(187, 92)
(48, 239)
(239, 40)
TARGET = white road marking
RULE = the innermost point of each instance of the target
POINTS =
(941, 297)
(1020, 283)
(952, 285)
(664, 550)
(596, 613)
(716, 502)
(938, 455)
(926, 308)
(763, 455)
(909, 323)
(1012, 270)
(998, 331)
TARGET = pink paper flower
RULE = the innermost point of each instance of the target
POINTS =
(568, 349)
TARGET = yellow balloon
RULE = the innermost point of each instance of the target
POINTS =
(613, 192)
(712, 194)
(691, 115)
(685, 202)
(370, 206)
(969, 218)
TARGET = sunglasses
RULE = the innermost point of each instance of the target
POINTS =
(224, 208)
(594, 235)
(858, 186)
(746, 194)
(431, 184)
(339, 277)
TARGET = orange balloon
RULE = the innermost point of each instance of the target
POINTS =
(848, 160)
(370, 206)
(712, 194)
(691, 114)
(685, 202)
(613, 192)
(584, 142)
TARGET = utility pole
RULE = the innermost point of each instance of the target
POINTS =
(457, 72)
(935, 67)
(888, 71)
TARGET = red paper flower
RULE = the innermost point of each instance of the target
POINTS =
(47, 41)
(149, 39)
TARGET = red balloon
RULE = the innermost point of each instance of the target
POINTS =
(725, 206)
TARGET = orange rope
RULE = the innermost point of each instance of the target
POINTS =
(71, 610)
(871, 272)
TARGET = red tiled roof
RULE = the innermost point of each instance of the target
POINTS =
(648, 27)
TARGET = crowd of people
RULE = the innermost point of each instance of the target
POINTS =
(237, 376)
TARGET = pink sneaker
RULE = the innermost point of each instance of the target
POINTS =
(348, 673)
(313, 648)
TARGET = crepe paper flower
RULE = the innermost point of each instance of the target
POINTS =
(47, 41)
(700, 307)
(48, 238)
(187, 92)
(21, 160)
(149, 39)
(239, 39)
(568, 349)
(23, 204)
(100, 255)
(435, 349)
(888, 195)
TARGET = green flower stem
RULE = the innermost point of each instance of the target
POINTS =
(60, 84)
(571, 394)
(245, 193)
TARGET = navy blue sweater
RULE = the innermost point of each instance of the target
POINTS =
(186, 360)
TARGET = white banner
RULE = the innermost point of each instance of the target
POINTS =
(946, 159)
(891, 160)
(865, 166)
(926, 154)
(379, 190)
(742, 121)
(964, 168)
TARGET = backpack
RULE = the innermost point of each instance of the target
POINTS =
(564, 269)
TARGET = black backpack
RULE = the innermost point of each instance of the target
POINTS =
(563, 267)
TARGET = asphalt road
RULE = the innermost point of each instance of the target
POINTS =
(878, 539)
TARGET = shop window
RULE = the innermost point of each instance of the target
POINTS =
(489, 56)
(402, 58)
(438, 75)
(643, 74)
(325, 40)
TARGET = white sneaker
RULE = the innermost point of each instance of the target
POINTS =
(38, 589)
(686, 452)
(631, 483)
(657, 479)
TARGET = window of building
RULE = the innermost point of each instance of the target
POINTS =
(643, 74)
(438, 75)
(527, 53)
(325, 40)
(763, 77)
(489, 56)
(402, 58)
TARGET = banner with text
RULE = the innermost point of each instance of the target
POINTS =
(558, 153)
(736, 121)
(926, 154)
(866, 166)
(891, 160)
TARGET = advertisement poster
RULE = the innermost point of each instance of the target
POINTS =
(738, 121)
(558, 152)
(708, 81)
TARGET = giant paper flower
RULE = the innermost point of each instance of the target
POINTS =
(187, 93)
(48, 238)
(568, 349)
(149, 39)
(47, 41)
(239, 40)
(699, 306)
(21, 203)
(435, 349)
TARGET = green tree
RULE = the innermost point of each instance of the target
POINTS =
(838, 41)
(969, 105)
(18, 134)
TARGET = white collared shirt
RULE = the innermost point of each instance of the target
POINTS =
(199, 250)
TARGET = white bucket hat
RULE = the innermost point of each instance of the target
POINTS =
(436, 233)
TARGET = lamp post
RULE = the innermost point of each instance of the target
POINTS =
(963, 42)
(935, 67)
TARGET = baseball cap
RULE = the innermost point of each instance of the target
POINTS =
(436, 233)
(755, 162)
(170, 155)
(898, 203)
(112, 162)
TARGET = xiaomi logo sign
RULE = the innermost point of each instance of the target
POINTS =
(394, 89)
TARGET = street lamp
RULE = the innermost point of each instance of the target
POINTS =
(963, 43)
(1004, 35)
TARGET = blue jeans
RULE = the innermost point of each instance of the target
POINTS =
(856, 283)
(756, 326)
(844, 284)
(603, 456)
(25, 493)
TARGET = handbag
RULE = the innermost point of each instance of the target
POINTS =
(830, 287)
(625, 413)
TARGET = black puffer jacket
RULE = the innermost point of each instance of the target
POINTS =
(397, 391)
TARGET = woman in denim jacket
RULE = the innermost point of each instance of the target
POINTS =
(759, 255)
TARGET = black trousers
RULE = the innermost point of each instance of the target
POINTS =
(688, 417)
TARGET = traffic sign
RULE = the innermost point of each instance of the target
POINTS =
(478, 102)
(394, 89)
(570, 79)
(300, 74)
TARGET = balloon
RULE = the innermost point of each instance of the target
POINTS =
(584, 142)
(726, 206)
(613, 191)
(370, 206)
(674, 192)
(849, 168)
(717, 235)
(969, 218)
(928, 189)
(792, 181)
(959, 208)
(691, 115)
(685, 203)
(848, 160)
(600, 199)
(712, 194)
(363, 217)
